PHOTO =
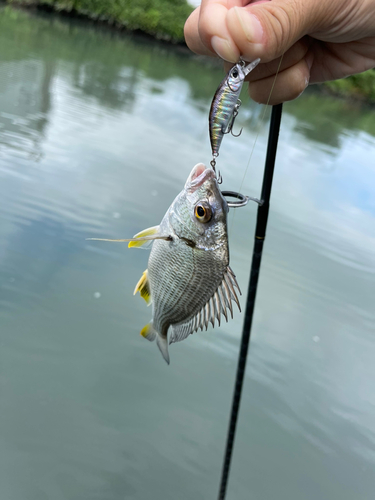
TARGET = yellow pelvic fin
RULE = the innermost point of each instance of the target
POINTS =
(143, 287)
(150, 231)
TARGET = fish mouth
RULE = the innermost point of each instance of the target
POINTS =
(198, 176)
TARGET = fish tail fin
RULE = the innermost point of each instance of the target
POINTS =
(163, 347)
(149, 333)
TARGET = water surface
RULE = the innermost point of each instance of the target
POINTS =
(98, 133)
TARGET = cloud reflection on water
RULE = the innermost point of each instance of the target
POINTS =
(93, 124)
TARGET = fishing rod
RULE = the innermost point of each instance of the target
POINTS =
(260, 234)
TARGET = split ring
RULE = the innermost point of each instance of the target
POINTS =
(242, 199)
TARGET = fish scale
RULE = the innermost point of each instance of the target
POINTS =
(185, 285)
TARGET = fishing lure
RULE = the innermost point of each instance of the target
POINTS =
(225, 105)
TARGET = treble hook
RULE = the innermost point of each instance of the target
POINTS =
(231, 123)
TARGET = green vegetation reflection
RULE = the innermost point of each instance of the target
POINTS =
(160, 18)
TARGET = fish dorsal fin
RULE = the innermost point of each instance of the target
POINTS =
(143, 287)
(217, 305)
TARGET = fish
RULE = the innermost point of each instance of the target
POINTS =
(225, 104)
(188, 282)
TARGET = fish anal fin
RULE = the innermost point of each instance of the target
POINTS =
(143, 287)
(148, 332)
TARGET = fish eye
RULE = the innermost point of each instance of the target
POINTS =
(203, 212)
(234, 73)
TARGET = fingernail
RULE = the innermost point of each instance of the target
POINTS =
(225, 49)
(250, 24)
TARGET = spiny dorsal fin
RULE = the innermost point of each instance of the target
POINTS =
(143, 287)
(214, 308)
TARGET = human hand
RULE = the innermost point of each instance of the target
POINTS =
(321, 40)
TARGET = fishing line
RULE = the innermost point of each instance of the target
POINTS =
(257, 134)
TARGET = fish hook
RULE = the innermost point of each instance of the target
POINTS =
(242, 199)
(231, 123)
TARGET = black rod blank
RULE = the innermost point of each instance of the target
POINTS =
(260, 234)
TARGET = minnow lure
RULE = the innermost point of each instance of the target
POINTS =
(225, 105)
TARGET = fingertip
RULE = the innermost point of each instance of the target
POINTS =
(225, 49)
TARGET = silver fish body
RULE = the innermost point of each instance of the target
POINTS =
(188, 276)
(224, 103)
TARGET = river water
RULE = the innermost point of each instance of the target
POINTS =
(98, 133)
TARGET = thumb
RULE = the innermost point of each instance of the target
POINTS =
(268, 29)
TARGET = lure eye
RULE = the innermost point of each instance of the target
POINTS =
(203, 212)
(234, 73)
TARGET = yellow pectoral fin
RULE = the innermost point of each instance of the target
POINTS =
(144, 239)
(143, 287)
(150, 231)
